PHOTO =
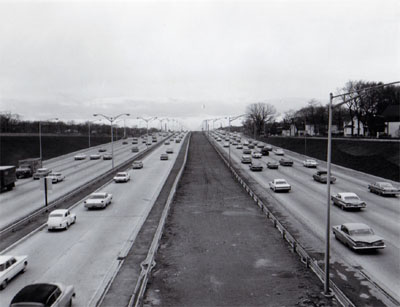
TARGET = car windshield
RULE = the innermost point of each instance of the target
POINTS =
(2, 267)
(97, 196)
(56, 215)
(362, 231)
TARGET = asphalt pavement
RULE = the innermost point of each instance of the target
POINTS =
(218, 249)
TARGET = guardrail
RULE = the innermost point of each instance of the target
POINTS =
(295, 245)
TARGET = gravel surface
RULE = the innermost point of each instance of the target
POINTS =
(219, 250)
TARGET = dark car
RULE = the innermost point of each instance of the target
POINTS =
(256, 166)
(107, 157)
(265, 151)
(272, 165)
(322, 176)
(286, 162)
(135, 149)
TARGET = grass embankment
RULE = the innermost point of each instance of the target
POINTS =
(378, 158)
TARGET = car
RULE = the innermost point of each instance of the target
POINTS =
(256, 166)
(310, 163)
(44, 294)
(80, 157)
(166, 142)
(56, 177)
(10, 267)
(358, 236)
(250, 146)
(260, 145)
(322, 176)
(226, 144)
(122, 177)
(98, 200)
(246, 159)
(268, 147)
(239, 146)
(154, 140)
(144, 141)
(124, 143)
(137, 164)
(234, 142)
(277, 185)
(135, 141)
(107, 157)
(265, 151)
(94, 157)
(246, 151)
(164, 156)
(177, 141)
(169, 150)
(135, 149)
(348, 200)
(286, 162)
(102, 150)
(383, 188)
(41, 172)
(278, 152)
(60, 219)
(272, 164)
(256, 155)
(149, 143)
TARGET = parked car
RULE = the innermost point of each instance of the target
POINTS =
(164, 156)
(383, 188)
(169, 150)
(10, 267)
(44, 294)
(310, 163)
(122, 177)
(279, 185)
(135, 149)
(256, 155)
(137, 164)
(98, 200)
(322, 176)
(107, 157)
(102, 150)
(278, 152)
(94, 157)
(256, 166)
(348, 200)
(80, 157)
(272, 164)
(56, 177)
(41, 172)
(60, 219)
(246, 159)
(286, 162)
(358, 236)
(265, 151)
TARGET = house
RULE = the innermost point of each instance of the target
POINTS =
(391, 117)
(355, 124)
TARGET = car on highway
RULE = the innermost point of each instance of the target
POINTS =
(226, 144)
(322, 176)
(94, 157)
(272, 165)
(278, 152)
(124, 143)
(239, 146)
(278, 185)
(348, 200)
(98, 200)
(56, 177)
(144, 141)
(256, 166)
(41, 172)
(10, 267)
(44, 295)
(264, 151)
(102, 150)
(164, 156)
(60, 219)
(245, 159)
(135, 141)
(149, 143)
(310, 163)
(268, 147)
(358, 236)
(169, 150)
(383, 188)
(260, 145)
(286, 162)
(167, 142)
(256, 155)
(80, 157)
(246, 151)
(107, 157)
(137, 164)
(135, 149)
(250, 146)
(122, 177)
(178, 140)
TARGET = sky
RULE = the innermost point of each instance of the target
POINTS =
(188, 60)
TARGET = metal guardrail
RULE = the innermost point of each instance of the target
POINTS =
(295, 245)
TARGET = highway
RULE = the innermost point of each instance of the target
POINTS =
(304, 210)
(86, 255)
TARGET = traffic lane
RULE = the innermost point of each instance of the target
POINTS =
(307, 204)
(84, 253)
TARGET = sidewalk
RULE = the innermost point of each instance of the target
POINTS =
(219, 250)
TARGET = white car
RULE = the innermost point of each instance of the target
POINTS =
(169, 151)
(41, 172)
(11, 266)
(166, 142)
(56, 177)
(80, 157)
(256, 155)
(226, 144)
(122, 177)
(278, 152)
(310, 163)
(280, 185)
(60, 219)
(94, 157)
(348, 200)
(98, 200)
(137, 164)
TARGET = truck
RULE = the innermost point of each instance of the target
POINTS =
(27, 167)
(7, 177)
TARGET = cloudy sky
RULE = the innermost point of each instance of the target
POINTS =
(188, 59)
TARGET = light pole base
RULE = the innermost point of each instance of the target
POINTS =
(327, 295)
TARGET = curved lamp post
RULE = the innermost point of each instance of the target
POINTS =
(147, 120)
(232, 118)
(40, 135)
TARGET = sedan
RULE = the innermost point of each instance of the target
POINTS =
(166, 142)
(322, 176)
(239, 146)
(44, 294)
(256, 155)
(164, 157)
(135, 149)
(272, 165)
(310, 163)
(383, 188)
(246, 159)
(107, 157)
(347, 200)
(41, 172)
(268, 147)
(102, 150)
(60, 219)
(56, 177)
(137, 164)
(98, 200)
(124, 143)
(10, 267)
(265, 151)
(94, 157)
(169, 151)
(226, 144)
(122, 177)
(279, 185)
(80, 157)
(246, 151)
(256, 166)
(358, 236)
(278, 152)
(286, 162)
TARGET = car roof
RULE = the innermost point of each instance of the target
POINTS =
(35, 293)
(354, 226)
(4, 258)
(99, 193)
(347, 194)
(122, 173)
(280, 179)
(137, 161)
(59, 211)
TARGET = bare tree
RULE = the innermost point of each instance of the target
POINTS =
(259, 114)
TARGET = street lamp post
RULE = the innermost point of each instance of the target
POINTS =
(329, 156)
(111, 120)
(40, 136)
(147, 120)
(229, 120)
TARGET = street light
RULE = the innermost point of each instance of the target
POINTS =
(329, 155)
(40, 135)
(147, 120)
(230, 118)
(111, 120)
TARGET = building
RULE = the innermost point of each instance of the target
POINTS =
(391, 117)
